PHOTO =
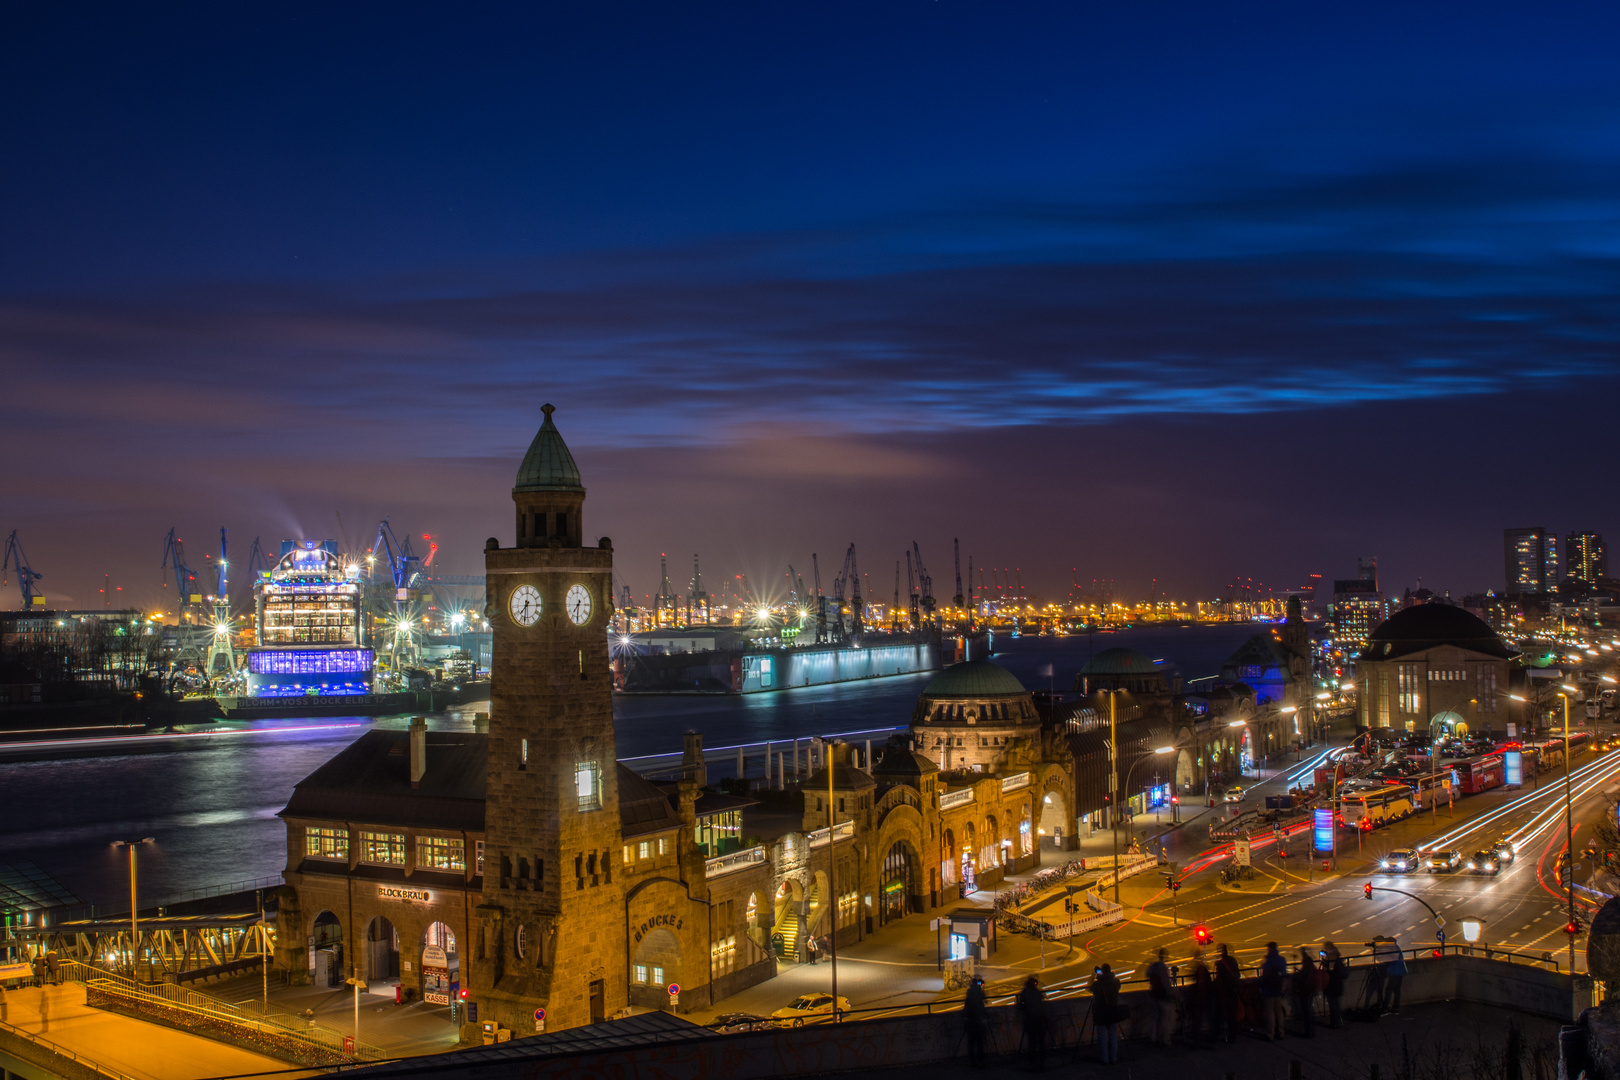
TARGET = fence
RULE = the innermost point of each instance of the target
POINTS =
(287, 1037)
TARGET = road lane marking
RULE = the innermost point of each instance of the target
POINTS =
(1291, 925)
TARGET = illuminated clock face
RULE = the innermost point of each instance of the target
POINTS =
(578, 604)
(525, 605)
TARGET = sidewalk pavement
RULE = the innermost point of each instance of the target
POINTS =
(396, 1030)
(123, 1044)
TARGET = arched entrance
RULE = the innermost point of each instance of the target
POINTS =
(756, 932)
(970, 866)
(992, 854)
(440, 966)
(326, 964)
(1447, 725)
(901, 889)
(947, 866)
(785, 936)
(656, 964)
(1186, 771)
(818, 907)
(381, 946)
(1054, 821)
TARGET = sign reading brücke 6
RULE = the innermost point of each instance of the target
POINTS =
(674, 922)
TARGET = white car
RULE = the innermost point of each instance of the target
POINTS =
(1234, 795)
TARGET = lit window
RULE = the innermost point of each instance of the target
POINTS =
(641, 973)
(663, 845)
(441, 853)
(387, 849)
(478, 852)
(658, 976)
(628, 856)
(588, 785)
(320, 843)
(645, 850)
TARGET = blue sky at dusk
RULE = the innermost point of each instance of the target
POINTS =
(1135, 292)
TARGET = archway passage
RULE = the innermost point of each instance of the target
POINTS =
(785, 936)
(902, 891)
(381, 946)
(1054, 822)
(326, 950)
(440, 965)
(970, 876)
(655, 966)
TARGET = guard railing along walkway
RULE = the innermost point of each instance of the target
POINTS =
(289, 1038)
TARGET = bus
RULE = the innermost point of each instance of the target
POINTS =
(1480, 774)
(1368, 808)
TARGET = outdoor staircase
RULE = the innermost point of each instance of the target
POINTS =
(789, 929)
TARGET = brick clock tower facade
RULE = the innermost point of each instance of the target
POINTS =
(550, 925)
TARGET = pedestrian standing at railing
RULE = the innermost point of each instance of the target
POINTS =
(1105, 1013)
(1199, 1002)
(1162, 998)
(1032, 1007)
(975, 1018)
(1338, 973)
(1228, 983)
(1305, 994)
(1390, 961)
(1273, 985)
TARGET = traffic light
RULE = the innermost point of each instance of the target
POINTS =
(1572, 927)
(1201, 934)
(465, 993)
(1366, 890)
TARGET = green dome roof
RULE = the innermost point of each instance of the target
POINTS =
(973, 679)
(1120, 662)
(548, 466)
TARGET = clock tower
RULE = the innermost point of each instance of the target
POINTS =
(550, 927)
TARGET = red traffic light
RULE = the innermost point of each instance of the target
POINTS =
(465, 993)
(1201, 934)
(1366, 890)
(1572, 927)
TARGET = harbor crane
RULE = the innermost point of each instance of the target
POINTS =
(911, 591)
(221, 649)
(956, 601)
(894, 611)
(925, 584)
(821, 601)
(850, 575)
(26, 576)
(188, 595)
(404, 568)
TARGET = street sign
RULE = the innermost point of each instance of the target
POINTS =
(1440, 923)
(1440, 936)
(539, 1014)
(933, 924)
(1241, 851)
(674, 989)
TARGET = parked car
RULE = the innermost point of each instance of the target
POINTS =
(1401, 861)
(730, 1022)
(808, 1007)
(1444, 862)
(1505, 850)
(1484, 862)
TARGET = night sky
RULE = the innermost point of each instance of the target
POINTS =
(1172, 290)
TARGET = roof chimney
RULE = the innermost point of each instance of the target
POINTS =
(418, 749)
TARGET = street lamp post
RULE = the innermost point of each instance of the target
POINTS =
(134, 911)
(1569, 828)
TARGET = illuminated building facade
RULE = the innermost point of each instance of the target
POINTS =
(1530, 559)
(1585, 558)
(309, 627)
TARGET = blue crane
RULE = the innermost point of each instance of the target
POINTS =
(185, 579)
(26, 576)
(403, 563)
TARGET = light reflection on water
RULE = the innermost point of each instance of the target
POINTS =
(211, 804)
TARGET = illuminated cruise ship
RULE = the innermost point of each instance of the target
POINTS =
(310, 630)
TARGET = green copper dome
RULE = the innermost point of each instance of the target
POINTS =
(548, 466)
(973, 679)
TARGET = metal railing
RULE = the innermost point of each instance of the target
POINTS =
(113, 986)
(960, 797)
(725, 864)
(59, 1050)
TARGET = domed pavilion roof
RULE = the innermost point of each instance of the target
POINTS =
(1120, 661)
(1424, 626)
(548, 466)
(974, 679)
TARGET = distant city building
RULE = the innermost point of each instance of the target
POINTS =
(1437, 669)
(1357, 605)
(1531, 561)
(1585, 558)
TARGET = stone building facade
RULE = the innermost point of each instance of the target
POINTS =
(1436, 668)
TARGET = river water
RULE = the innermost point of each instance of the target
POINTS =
(209, 800)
